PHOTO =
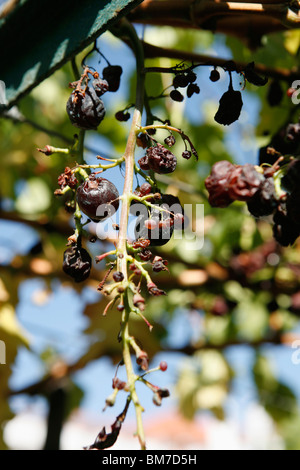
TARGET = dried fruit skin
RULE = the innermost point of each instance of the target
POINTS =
(244, 182)
(175, 95)
(181, 80)
(98, 195)
(186, 154)
(214, 75)
(77, 263)
(145, 254)
(85, 109)
(118, 276)
(170, 141)
(230, 106)
(191, 89)
(263, 202)
(100, 86)
(158, 159)
(216, 184)
(112, 74)
(122, 116)
(67, 179)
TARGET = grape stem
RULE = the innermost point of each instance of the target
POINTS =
(122, 256)
(169, 128)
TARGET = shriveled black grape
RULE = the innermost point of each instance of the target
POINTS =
(112, 74)
(181, 80)
(263, 202)
(158, 159)
(85, 109)
(230, 107)
(77, 263)
(98, 198)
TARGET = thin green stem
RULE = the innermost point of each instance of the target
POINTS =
(131, 376)
(139, 265)
(103, 167)
(122, 260)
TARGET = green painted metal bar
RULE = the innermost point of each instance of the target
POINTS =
(39, 36)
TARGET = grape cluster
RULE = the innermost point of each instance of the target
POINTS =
(159, 159)
(85, 107)
(256, 187)
(285, 142)
(184, 80)
(156, 224)
(228, 183)
(230, 103)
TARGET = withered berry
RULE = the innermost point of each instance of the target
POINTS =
(191, 76)
(214, 75)
(158, 159)
(118, 276)
(122, 116)
(97, 198)
(181, 80)
(112, 74)
(264, 201)
(161, 228)
(145, 254)
(142, 140)
(191, 89)
(175, 95)
(186, 154)
(77, 263)
(170, 140)
(230, 106)
(217, 184)
(85, 109)
(243, 182)
(100, 86)
(293, 132)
